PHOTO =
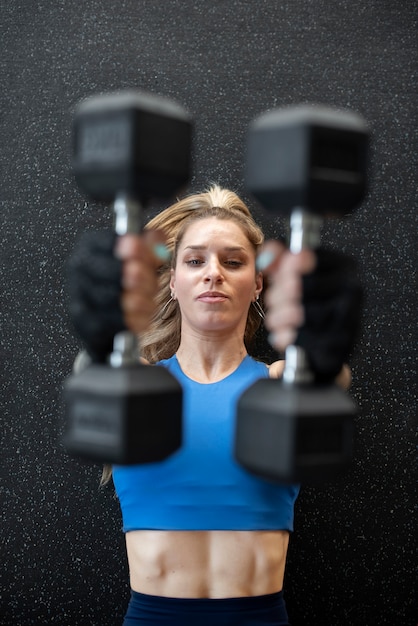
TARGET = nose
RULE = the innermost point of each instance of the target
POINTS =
(213, 271)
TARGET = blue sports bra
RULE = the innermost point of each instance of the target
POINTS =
(201, 486)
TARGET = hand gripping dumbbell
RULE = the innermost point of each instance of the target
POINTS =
(129, 147)
(307, 163)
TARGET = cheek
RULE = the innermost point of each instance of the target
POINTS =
(180, 283)
(248, 286)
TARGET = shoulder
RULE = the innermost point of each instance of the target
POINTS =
(275, 370)
(167, 362)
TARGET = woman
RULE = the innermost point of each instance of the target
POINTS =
(206, 541)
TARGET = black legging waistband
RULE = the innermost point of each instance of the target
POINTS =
(144, 610)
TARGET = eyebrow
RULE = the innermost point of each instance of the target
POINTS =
(225, 248)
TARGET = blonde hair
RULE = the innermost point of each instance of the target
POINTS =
(163, 338)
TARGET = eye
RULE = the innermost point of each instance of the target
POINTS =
(233, 263)
(193, 262)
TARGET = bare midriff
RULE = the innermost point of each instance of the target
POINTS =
(206, 564)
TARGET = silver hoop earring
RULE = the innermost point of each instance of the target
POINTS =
(164, 309)
(259, 308)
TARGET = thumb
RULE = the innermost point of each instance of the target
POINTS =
(275, 255)
(157, 243)
(270, 256)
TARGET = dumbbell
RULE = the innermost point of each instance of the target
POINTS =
(129, 147)
(306, 163)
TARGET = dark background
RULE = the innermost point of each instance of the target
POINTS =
(352, 558)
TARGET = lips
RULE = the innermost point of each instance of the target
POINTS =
(212, 296)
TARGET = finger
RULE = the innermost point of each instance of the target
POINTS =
(137, 274)
(281, 340)
(128, 246)
(284, 289)
(141, 256)
(290, 316)
(137, 324)
(138, 311)
(303, 262)
(149, 247)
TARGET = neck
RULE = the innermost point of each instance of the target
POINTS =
(208, 359)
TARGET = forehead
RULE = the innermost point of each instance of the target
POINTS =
(210, 231)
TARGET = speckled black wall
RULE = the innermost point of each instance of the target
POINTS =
(62, 559)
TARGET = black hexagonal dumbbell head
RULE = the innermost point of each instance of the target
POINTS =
(306, 163)
(294, 433)
(123, 415)
(134, 142)
(308, 156)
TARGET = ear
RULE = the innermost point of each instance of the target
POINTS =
(172, 280)
(258, 283)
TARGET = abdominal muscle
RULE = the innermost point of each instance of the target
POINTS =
(206, 564)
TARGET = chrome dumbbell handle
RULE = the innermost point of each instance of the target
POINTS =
(305, 233)
(127, 220)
